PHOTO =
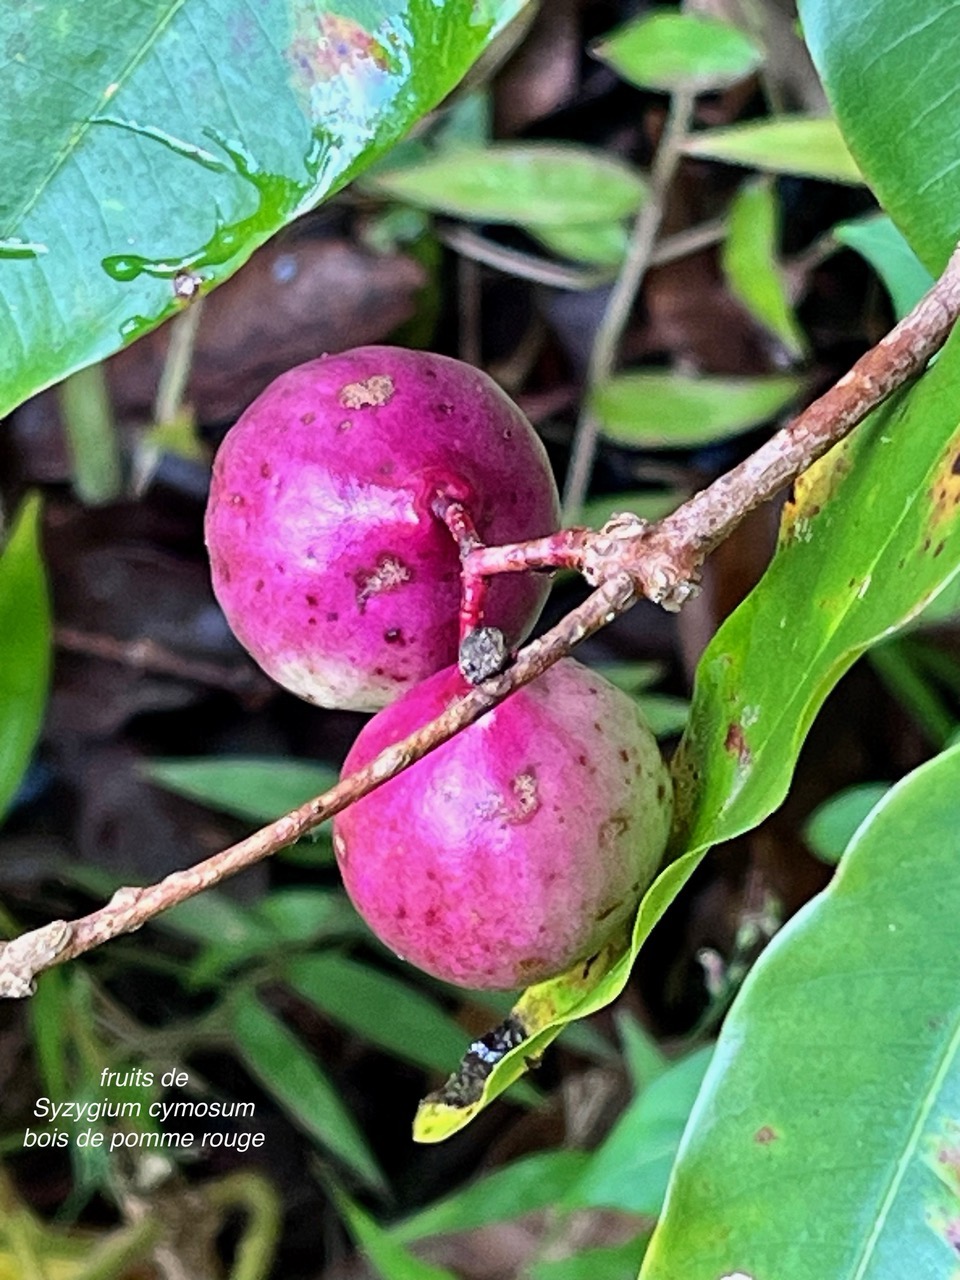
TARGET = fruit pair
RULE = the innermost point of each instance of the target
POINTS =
(518, 847)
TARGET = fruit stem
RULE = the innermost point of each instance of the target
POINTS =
(473, 587)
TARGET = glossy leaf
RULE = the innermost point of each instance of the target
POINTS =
(824, 1140)
(533, 1182)
(671, 51)
(25, 648)
(657, 410)
(872, 536)
(876, 238)
(540, 184)
(750, 258)
(379, 1007)
(805, 146)
(630, 1168)
(154, 137)
(255, 790)
(282, 1064)
(832, 825)
(900, 66)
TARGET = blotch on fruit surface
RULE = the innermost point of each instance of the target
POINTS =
(521, 845)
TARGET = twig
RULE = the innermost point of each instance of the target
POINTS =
(603, 354)
(628, 558)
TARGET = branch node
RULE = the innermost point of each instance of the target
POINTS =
(602, 554)
(23, 958)
(483, 653)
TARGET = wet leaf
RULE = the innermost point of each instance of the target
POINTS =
(750, 258)
(255, 790)
(831, 826)
(877, 239)
(898, 66)
(802, 145)
(825, 1139)
(168, 137)
(540, 184)
(659, 410)
(25, 642)
(282, 1064)
(671, 51)
(871, 537)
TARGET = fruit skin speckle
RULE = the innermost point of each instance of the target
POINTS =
(518, 847)
(344, 517)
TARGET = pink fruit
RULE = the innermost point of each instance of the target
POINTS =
(327, 556)
(516, 848)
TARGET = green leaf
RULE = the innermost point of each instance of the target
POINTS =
(670, 51)
(831, 826)
(534, 1182)
(802, 145)
(824, 1140)
(750, 262)
(872, 535)
(389, 1258)
(658, 410)
(282, 1064)
(898, 66)
(536, 184)
(255, 790)
(25, 642)
(876, 238)
(611, 1262)
(629, 1170)
(380, 1008)
(604, 244)
(163, 136)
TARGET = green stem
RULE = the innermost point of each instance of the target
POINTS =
(91, 436)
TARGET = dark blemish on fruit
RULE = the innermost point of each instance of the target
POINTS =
(379, 671)
(431, 875)
(521, 808)
(311, 622)
(596, 725)
(394, 636)
(530, 964)
(371, 393)
(388, 574)
(624, 755)
(592, 960)
(444, 408)
(401, 913)
(661, 792)
(312, 601)
(926, 544)
(736, 743)
(399, 679)
(614, 827)
(465, 1086)
(258, 585)
(308, 419)
(265, 470)
(430, 916)
(955, 465)
(582, 760)
(333, 617)
(939, 548)
(765, 1135)
(607, 911)
(280, 567)
(224, 570)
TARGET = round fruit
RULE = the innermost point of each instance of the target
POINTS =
(516, 848)
(328, 556)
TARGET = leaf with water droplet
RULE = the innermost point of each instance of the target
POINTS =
(167, 137)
